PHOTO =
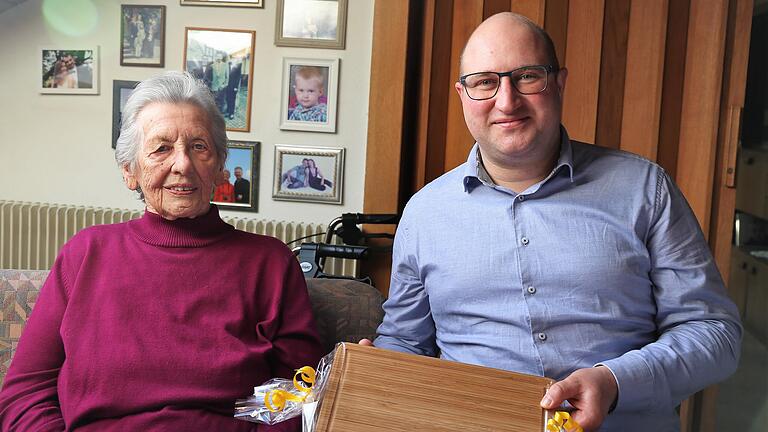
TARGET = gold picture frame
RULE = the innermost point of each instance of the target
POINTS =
(259, 4)
(311, 23)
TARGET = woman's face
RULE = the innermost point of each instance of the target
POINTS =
(177, 165)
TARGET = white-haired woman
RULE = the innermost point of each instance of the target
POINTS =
(162, 322)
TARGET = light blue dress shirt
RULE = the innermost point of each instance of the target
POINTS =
(602, 262)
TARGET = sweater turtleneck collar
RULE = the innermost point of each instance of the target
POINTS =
(183, 232)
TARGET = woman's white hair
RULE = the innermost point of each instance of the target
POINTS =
(171, 87)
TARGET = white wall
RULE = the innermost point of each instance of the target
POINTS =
(57, 148)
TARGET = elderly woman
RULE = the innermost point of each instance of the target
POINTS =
(162, 322)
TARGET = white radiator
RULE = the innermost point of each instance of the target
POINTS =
(31, 234)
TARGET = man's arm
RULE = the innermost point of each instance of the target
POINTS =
(408, 325)
(29, 399)
(698, 325)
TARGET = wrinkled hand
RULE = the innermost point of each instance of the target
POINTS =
(365, 342)
(591, 392)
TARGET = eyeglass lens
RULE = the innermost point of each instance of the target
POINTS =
(528, 80)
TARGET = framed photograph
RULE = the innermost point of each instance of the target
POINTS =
(237, 189)
(69, 71)
(223, 60)
(309, 94)
(311, 23)
(120, 92)
(231, 3)
(308, 174)
(142, 36)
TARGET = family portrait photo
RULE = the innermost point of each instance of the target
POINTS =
(308, 173)
(309, 94)
(69, 71)
(311, 23)
(223, 60)
(142, 36)
(237, 189)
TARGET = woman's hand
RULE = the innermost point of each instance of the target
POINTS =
(365, 342)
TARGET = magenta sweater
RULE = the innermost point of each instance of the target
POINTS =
(159, 325)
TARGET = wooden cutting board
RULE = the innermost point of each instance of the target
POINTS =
(372, 389)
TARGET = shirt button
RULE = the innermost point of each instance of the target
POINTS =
(521, 197)
(531, 289)
(524, 240)
(542, 336)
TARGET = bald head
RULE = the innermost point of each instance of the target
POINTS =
(501, 25)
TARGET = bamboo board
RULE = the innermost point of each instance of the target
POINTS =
(372, 389)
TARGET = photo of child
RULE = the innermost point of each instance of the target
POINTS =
(309, 94)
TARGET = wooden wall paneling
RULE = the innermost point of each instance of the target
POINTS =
(701, 105)
(467, 14)
(644, 73)
(419, 178)
(672, 85)
(556, 24)
(582, 58)
(613, 62)
(385, 121)
(492, 7)
(724, 194)
(533, 9)
(436, 90)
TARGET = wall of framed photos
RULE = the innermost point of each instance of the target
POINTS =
(56, 145)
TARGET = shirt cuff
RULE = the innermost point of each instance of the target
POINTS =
(634, 381)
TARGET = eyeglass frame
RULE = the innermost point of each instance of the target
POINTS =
(547, 70)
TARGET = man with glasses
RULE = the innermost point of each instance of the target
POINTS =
(552, 257)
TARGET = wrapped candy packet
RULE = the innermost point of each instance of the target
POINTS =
(280, 399)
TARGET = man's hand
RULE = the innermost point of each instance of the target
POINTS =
(365, 342)
(590, 391)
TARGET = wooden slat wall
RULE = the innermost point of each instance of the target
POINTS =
(643, 81)
(701, 105)
(582, 58)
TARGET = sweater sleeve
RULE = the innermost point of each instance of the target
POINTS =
(29, 398)
(296, 342)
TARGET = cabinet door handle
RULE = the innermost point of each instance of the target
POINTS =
(743, 266)
(754, 270)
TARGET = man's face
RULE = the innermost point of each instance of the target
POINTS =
(308, 91)
(511, 128)
(238, 173)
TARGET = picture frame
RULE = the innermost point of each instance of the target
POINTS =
(238, 188)
(121, 90)
(311, 23)
(228, 3)
(69, 70)
(142, 35)
(223, 59)
(309, 94)
(308, 174)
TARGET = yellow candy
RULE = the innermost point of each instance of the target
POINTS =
(275, 400)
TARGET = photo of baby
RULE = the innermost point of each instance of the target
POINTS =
(309, 99)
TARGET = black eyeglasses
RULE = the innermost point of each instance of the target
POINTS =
(526, 80)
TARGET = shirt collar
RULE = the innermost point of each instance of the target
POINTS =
(475, 173)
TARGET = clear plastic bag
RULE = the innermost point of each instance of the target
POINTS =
(280, 399)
